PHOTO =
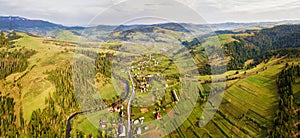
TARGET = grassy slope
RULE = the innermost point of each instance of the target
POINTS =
(35, 87)
(259, 90)
(254, 95)
(82, 124)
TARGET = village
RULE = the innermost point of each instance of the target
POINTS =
(144, 71)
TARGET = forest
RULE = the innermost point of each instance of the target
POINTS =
(12, 59)
(51, 121)
(277, 41)
(286, 121)
(8, 118)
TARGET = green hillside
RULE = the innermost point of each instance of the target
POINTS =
(38, 97)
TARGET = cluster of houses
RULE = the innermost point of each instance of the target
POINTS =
(144, 83)
(119, 109)
(138, 121)
(145, 64)
(121, 129)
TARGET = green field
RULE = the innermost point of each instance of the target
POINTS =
(247, 109)
(248, 106)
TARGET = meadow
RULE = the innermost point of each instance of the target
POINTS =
(247, 110)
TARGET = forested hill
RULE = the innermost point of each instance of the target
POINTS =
(262, 45)
(282, 36)
(286, 121)
(257, 46)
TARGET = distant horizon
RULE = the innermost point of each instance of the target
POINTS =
(113, 12)
(153, 23)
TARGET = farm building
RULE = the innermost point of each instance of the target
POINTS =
(175, 95)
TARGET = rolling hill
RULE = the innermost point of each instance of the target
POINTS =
(37, 86)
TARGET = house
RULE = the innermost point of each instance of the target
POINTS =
(135, 122)
(146, 128)
(122, 113)
(149, 76)
(158, 116)
(143, 90)
(121, 131)
(166, 85)
(103, 124)
(147, 84)
(141, 120)
(199, 124)
(138, 130)
(115, 108)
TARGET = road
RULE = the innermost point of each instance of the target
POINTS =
(129, 104)
(69, 127)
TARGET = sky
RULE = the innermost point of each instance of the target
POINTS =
(92, 12)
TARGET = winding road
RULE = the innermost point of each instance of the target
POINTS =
(69, 127)
(129, 104)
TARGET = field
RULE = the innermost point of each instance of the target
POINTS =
(48, 57)
(247, 110)
(241, 118)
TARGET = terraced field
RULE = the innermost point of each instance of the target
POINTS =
(247, 108)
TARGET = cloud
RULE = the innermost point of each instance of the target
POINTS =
(69, 12)
(80, 12)
(246, 10)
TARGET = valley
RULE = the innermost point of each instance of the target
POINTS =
(41, 95)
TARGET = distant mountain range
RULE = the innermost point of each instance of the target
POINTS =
(48, 29)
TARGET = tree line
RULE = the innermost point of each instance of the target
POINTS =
(7, 117)
(259, 47)
(286, 122)
(12, 60)
(6, 39)
(50, 121)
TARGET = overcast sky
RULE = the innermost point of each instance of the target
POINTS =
(81, 12)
